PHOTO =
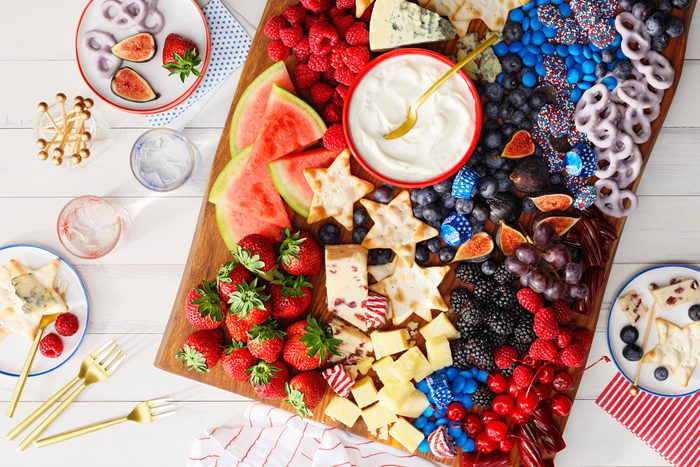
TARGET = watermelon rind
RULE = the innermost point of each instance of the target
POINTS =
(231, 172)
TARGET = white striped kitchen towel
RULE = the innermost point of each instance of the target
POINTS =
(670, 426)
(274, 437)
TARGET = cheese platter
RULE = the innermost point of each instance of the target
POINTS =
(436, 292)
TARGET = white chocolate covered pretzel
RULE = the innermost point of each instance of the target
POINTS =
(611, 200)
(635, 42)
(656, 69)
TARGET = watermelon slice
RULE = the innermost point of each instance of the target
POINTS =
(234, 225)
(288, 176)
(248, 117)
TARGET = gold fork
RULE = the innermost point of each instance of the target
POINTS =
(144, 412)
(26, 368)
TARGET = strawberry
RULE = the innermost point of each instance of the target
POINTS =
(201, 351)
(236, 359)
(248, 303)
(229, 275)
(180, 56)
(505, 356)
(542, 349)
(334, 137)
(308, 346)
(256, 252)
(305, 391)
(546, 325)
(237, 329)
(265, 341)
(530, 300)
(203, 307)
(269, 379)
(300, 253)
(290, 295)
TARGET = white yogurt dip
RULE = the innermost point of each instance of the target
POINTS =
(443, 132)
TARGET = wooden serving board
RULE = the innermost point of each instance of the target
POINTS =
(208, 251)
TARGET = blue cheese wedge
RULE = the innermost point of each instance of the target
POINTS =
(35, 298)
(397, 23)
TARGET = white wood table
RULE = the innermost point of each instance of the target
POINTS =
(132, 289)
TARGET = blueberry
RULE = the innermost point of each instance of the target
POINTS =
(383, 194)
(694, 312)
(508, 166)
(511, 63)
(556, 179)
(656, 23)
(377, 256)
(493, 139)
(491, 110)
(674, 27)
(422, 254)
(477, 226)
(661, 373)
(505, 110)
(415, 194)
(538, 100)
(480, 212)
(492, 124)
(518, 97)
(434, 244)
(627, 4)
(600, 70)
(448, 201)
(487, 187)
(432, 212)
(518, 117)
(464, 206)
(528, 206)
(510, 82)
(664, 5)
(426, 195)
(504, 183)
(418, 212)
(533, 116)
(329, 234)
(660, 42)
(494, 160)
(629, 334)
(641, 10)
(632, 352)
(608, 55)
(360, 216)
(480, 170)
(446, 254)
(489, 267)
(527, 126)
(359, 234)
(493, 92)
(682, 4)
(508, 129)
(622, 69)
(444, 186)
(512, 31)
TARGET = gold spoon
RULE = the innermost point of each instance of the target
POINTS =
(412, 114)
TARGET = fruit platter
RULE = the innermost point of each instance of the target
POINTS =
(435, 291)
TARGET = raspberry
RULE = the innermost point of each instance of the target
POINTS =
(305, 77)
(562, 312)
(573, 356)
(295, 14)
(321, 92)
(337, 54)
(584, 337)
(66, 324)
(334, 12)
(339, 94)
(344, 75)
(51, 346)
(311, 20)
(543, 349)
(564, 338)
(356, 57)
(357, 34)
(331, 114)
(302, 50)
(277, 51)
(522, 375)
(320, 63)
(316, 6)
(530, 300)
(329, 76)
(334, 138)
(291, 36)
(345, 3)
(322, 38)
(546, 325)
(504, 356)
(274, 26)
(343, 23)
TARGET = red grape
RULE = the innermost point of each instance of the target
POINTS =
(539, 279)
(557, 255)
(572, 273)
(527, 253)
(544, 234)
(514, 266)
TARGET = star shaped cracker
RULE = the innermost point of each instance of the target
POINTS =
(395, 227)
(335, 191)
(494, 13)
(413, 289)
(678, 349)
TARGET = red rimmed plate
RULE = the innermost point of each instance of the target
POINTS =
(182, 17)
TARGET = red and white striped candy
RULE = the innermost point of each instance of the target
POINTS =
(376, 308)
(338, 379)
(441, 443)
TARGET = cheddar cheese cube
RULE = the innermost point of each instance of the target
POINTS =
(364, 392)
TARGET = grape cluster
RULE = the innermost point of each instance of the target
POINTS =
(546, 266)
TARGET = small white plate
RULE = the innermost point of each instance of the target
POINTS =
(182, 17)
(662, 276)
(14, 348)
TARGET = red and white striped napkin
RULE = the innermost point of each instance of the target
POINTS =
(670, 426)
(274, 437)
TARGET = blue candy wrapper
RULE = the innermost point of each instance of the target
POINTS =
(465, 182)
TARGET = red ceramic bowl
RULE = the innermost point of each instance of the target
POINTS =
(358, 156)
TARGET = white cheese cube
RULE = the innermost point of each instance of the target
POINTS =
(439, 326)
(377, 416)
(343, 410)
(411, 365)
(406, 434)
(346, 282)
(389, 342)
(383, 369)
(364, 392)
(392, 396)
(439, 353)
(413, 405)
(364, 365)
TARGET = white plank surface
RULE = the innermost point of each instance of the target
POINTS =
(132, 289)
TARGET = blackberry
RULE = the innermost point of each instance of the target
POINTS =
(501, 322)
(508, 372)
(521, 347)
(484, 290)
(467, 330)
(460, 355)
(502, 276)
(480, 351)
(460, 300)
(473, 315)
(483, 397)
(505, 297)
(523, 332)
(468, 272)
